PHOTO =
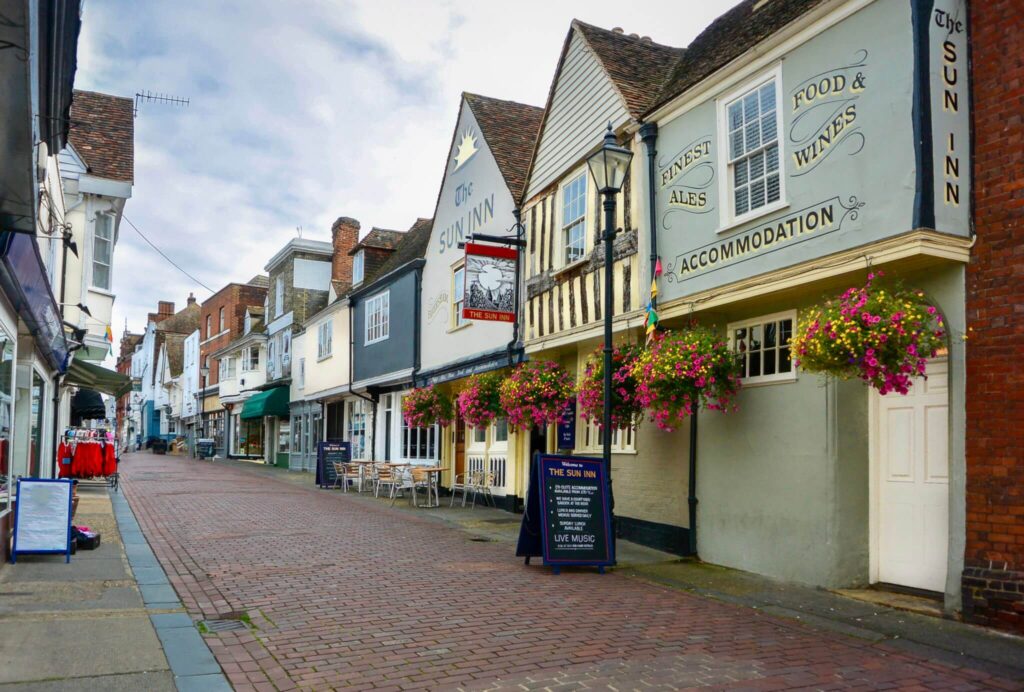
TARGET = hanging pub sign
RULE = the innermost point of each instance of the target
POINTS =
(490, 278)
(568, 518)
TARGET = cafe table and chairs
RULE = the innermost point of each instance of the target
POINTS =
(346, 474)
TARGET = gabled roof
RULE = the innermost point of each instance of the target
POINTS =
(260, 281)
(727, 38)
(636, 66)
(175, 345)
(510, 130)
(380, 238)
(103, 134)
(185, 321)
(413, 246)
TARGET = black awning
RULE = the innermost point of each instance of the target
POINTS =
(87, 404)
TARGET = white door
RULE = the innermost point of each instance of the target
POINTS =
(913, 483)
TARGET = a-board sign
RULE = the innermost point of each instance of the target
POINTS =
(42, 519)
(327, 455)
(568, 507)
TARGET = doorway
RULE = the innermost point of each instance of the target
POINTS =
(910, 484)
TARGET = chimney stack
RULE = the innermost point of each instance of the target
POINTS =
(344, 236)
(191, 299)
(165, 308)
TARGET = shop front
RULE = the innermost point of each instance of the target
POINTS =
(306, 432)
(264, 427)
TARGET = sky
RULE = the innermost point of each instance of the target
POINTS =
(303, 111)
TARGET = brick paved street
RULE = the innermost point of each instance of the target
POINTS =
(346, 593)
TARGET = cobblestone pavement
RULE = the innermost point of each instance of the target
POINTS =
(344, 593)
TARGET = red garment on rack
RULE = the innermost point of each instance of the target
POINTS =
(109, 459)
(64, 452)
(88, 460)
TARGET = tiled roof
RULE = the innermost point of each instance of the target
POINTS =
(727, 38)
(380, 238)
(184, 321)
(412, 246)
(103, 133)
(637, 66)
(175, 353)
(256, 310)
(260, 280)
(510, 130)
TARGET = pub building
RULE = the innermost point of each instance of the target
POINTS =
(786, 163)
(483, 178)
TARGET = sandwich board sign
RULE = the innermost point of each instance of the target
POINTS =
(42, 518)
(568, 519)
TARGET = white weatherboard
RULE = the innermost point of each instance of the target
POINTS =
(44, 516)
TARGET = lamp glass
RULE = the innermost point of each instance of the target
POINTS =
(608, 165)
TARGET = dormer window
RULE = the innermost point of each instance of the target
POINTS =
(358, 267)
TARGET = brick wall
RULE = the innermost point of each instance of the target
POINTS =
(344, 236)
(234, 299)
(993, 580)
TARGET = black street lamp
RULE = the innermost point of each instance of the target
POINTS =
(609, 166)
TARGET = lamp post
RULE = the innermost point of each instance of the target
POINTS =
(204, 373)
(609, 166)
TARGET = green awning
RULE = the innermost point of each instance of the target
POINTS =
(82, 373)
(273, 402)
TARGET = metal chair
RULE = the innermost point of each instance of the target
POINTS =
(346, 473)
(465, 483)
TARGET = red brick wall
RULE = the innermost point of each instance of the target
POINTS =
(234, 298)
(344, 236)
(993, 582)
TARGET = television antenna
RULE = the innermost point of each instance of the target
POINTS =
(149, 97)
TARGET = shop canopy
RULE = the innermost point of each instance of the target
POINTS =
(87, 404)
(273, 402)
(82, 373)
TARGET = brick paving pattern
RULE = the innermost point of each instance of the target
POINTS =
(349, 594)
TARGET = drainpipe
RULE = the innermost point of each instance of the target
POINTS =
(520, 233)
(416, 331)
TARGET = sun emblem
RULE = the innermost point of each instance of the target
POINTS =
(467, 147)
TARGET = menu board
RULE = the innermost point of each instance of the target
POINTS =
(574, 511)
(42, 520)
(327, 455)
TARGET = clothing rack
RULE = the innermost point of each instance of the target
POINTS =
(90, 456)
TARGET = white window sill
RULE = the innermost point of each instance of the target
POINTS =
(102, 291)
(321, 359)
(772, 379)
(459, 328)
(754, 215)
(597, 451)
(569, 267)
(375, 341)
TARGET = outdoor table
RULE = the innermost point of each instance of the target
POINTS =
(429, 470)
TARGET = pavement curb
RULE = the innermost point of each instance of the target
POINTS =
(192, 663)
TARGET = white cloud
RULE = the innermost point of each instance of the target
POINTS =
(302, 112)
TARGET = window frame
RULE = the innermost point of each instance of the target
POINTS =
(761, 320)
(278, 296)
(300, 379)
(222, 319)
(209, 325)
(247, 360)
(96, 238)
(325, 339)
(728, 217)
(582, 220)
(623, 439)
(227, 368)
(383, 325)
(358, 260)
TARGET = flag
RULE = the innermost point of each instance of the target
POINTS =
(110, 338)
(657, 267)
(654, 288)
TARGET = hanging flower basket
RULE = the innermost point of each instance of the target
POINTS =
(536, 394)
(884, 337)
(626, 409)
(480, 402)
(682, 371)
(427, 406)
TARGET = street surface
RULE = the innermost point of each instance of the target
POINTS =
(343, 592)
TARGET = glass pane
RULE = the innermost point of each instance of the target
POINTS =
(458, 285)
(755, 338)
(768, 97)
(768, 124)
(736, 144)
(757, 194)
(769, 334)
(735, 115)
(755, 365)
(774, 192)
(501, 430)
(769, 361)
(739, 175)
(785, 364)
(757, 165)
(750, 110)
(743, 366)
(785, 331)
(742, 201)
(772, 157)
(101, 276)
(753, 135)
(103, 251)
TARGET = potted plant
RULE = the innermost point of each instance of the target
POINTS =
(883, 337)
(626, 408)
(535, 394)
(427, 406)
(682, 371)
(480, 402)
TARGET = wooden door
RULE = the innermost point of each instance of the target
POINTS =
(460, 447)
(913, 483)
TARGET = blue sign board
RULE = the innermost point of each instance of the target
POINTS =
(566, 436)
(327, 455)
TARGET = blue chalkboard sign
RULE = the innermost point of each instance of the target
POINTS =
(568, 511)
(327, 455)
(566, 437)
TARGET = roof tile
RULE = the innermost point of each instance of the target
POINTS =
(103, 134)
(510, 130)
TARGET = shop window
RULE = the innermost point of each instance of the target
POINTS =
(248, 437)
(284, 437)
(325, 336)
(458, 295)
(297, 445)
(623, 439)
(762, 347)
(419, 444)
(355, 428)
(753, 150)
(378, 319)
(574, 219)
(478, 437)
(36, 419)
(102, 251)
(500, 429)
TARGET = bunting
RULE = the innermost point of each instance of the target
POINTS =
(652, 315)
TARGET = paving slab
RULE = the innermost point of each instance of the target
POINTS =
(158, 593)
(187, 652)
(165, 621)
(202, 683)
(150, 575)
(124, 682)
